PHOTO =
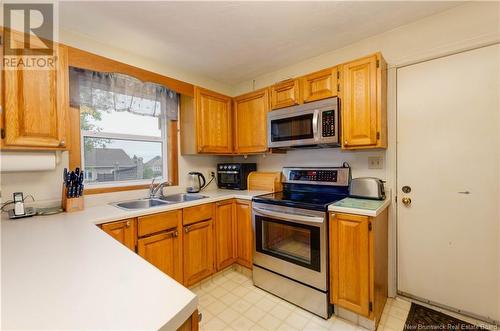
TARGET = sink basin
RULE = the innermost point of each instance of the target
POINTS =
(182, 197)
(140, 203)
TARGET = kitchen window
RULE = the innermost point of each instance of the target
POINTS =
(123, 127)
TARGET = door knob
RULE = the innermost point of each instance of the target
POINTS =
(406, 201)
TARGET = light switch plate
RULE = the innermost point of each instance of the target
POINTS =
(375, 162)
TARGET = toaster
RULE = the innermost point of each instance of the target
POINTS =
(367, 188)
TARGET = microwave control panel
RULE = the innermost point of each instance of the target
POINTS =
(328, 123)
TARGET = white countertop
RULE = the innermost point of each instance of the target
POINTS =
(364, 207)
(63, 272)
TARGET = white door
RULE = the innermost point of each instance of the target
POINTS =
(448, 154)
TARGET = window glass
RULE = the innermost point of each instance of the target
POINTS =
(120, 122)
(111, 160)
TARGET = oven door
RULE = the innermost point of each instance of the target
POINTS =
(291, 242)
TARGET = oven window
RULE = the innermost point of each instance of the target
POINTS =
(292, 128)
(292, 242)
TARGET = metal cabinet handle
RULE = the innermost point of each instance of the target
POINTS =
(186, 229)
(464, 192)
(62, 143)
(127, 224)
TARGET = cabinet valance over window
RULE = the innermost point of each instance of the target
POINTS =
(119, 92)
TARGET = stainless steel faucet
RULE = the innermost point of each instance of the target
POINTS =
(153, 189)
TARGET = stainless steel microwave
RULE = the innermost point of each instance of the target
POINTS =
(314, 124)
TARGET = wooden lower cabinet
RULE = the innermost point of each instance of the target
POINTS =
(191, 244)
(163, 250)
(225, 229)
(192, 323)
(358, 263)
(124, 231)
(198, 251)
(244, 233)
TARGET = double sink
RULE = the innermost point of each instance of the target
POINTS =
(161, 201)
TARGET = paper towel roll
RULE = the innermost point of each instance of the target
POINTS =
(24, 161)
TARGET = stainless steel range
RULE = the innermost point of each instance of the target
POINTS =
(290, 248)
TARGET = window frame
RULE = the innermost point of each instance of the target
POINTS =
(129, 137)
(82, 59)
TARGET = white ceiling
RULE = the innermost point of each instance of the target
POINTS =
(231, 42)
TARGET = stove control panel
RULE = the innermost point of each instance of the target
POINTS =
(314, 175)
(319, 176)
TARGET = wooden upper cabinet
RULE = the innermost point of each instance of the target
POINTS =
(363, 95)
(285, 94)
(163, 250)
(198, 251)
(244, 233)
(320, 85)
(213, 122)
(124, 231)
(225, 229)
(349, 262)
(36, 104)
(250, 121)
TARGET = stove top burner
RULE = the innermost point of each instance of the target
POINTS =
(314, 199)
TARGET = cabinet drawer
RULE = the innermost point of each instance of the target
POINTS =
(198, 213)
(158, 222)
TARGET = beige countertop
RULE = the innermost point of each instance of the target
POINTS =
(63, 272)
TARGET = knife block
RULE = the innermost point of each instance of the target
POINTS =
(71, 204)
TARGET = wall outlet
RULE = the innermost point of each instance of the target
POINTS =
(375, 162)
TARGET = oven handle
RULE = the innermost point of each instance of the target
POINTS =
(288, 216)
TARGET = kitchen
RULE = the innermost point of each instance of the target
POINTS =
(239, 141)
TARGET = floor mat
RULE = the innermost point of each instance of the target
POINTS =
(423, 318)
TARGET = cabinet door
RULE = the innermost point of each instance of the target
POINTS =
(361, 109)
(349, 262)
(225, 243)
(123, 231)
(213, 122)
(285, 94)
(250, 117)
(320, 85)
(244, 233)
(198, 252)
(36, 105)
(163, 251)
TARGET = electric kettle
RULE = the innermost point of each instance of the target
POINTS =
(195, 182)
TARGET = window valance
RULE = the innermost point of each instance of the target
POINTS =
(119, 92)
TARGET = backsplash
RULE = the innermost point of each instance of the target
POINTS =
(358, 160)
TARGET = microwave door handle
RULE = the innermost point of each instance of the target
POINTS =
(315, 123)
(287, 216)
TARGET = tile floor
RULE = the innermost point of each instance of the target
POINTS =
(229, 301)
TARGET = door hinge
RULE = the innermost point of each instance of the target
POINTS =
(338, 74)
(378, 63)
(2, 133)
(378, 135)
(338, 87)
(369, 226)
(370, 306)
